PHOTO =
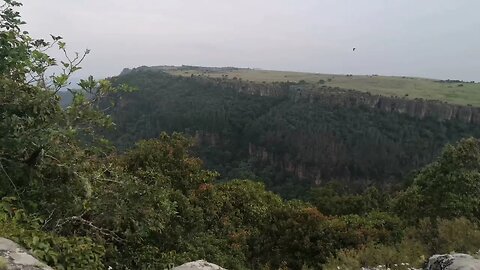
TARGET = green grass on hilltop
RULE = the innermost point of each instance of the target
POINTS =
(455, 93)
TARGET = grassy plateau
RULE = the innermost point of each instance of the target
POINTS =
(454, 92)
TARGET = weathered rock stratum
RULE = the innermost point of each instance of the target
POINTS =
(14, 257)
(457, 261)
(198, 265)
(419, 108)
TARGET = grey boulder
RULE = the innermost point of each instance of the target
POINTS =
(457, 261)
(198, 265)
(14, 257)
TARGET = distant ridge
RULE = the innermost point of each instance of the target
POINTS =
(451, 91)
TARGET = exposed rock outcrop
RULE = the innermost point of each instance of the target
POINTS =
(14, 257)
(456, 261)
(198, 265)
(419, 108)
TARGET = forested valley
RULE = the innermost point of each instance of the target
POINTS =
(273, 134)
(251, 181)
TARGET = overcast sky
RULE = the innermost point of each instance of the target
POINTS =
(427, 38)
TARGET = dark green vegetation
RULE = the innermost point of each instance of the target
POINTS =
(289, 141)
(78, 203)
(451, 91)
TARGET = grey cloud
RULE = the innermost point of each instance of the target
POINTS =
(429, 38)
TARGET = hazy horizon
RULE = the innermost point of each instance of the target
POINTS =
(431, 38)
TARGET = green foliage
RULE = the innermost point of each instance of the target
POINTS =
(77, 203)
(60, 252)
(44, 149)
(448, 187)
(3, 264)
(244, 203)
(169, 156)
(14, 45)
(46, 153)
(146, 195)
(458, 235)
(345, 259)
(296, 236)
(237, 211)
(353, 231)
(404, 256)
(265, 137)
(411, 88)
(419, 242)
(332, 200)
(447, 235)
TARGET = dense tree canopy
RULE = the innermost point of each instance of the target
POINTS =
(449, 187)
(288, 141)
(77, 202)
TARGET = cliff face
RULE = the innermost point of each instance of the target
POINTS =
(285, 163)
(423, 108)
(284, 132)
(418, 108)
(326, 156)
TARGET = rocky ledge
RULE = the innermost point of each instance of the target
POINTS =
(198, 265)
(14, 257)
(456, 261)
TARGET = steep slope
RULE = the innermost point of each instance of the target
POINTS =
(288, 135)
(451, 91)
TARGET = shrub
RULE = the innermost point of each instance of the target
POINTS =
(458, 235)
(408, 253)
(57, 251)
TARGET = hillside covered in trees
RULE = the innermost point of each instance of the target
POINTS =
(76, 200)
(286, 134)
(451, 91)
